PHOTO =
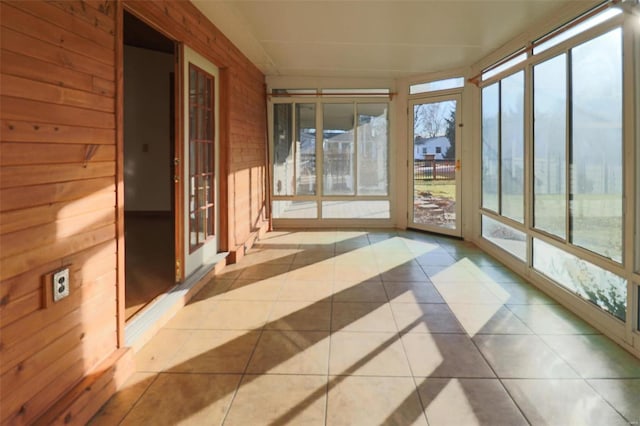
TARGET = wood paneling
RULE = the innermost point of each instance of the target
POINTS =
(37, 131)
(17, 220)
(25, 88)
(60, 79)
(57, 207)
(17, 154)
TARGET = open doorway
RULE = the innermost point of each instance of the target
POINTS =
(149, 120)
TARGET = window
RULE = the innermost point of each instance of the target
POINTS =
(490, 146)
(550, 146)
(201, 157)
(338, 146)
(438, 150)
(560, 35)
(503, 147)
(599, 286)
(507, 238)
(504, 66)
(596, 145)
(433, 86)
(354, 152)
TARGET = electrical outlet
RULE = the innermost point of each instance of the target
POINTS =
(60, 284)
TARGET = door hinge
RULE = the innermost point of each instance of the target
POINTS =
(178, 271)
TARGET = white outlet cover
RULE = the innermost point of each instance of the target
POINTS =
(60, 284)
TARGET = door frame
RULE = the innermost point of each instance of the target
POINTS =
(412, 102)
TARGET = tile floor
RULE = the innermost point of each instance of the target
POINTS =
(375, 328)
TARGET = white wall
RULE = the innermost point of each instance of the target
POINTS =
(147, 134)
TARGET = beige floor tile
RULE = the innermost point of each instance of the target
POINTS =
(273, 256)
(520, 294)
(465, 292)
(488, 319)
(366, 291)
(468, 402)
(367, 354)
(595, 356)
(622, 394)
(359, 272)
(277, 399)
(236, 315)
(360, 316)
(403, 273)
(189, 399)
(366, 401)
(444, 355)
(213, 290)
(263, 271)
(551, 319)
(562, 402)
(121, 403)
(314, 272)
(194, 313)
(455, 273)
(412, 292)
(253, 289)
(310, 257)
(436, 258)
(214, 351)
(313, 291)
(522, 356)
(300, 316)
(157, 354)
(351, 245)
(291, 352)
(425, 318)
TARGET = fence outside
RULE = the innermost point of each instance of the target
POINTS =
(432, 169)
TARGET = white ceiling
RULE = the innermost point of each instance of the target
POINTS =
(380, 38)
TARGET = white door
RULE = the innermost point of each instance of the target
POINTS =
(434, 166)
(200, 173)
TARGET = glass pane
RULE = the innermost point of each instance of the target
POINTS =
(605, 289)
(288, 209)
(434, 164)
(211, 221)
(192, 158)
(550, 143)
(490, 143)
(510, 63)
(432, 86)
(201, 122)
(209, 93)
(306, 149)
(596, 163)
(505, 237)
(372, 149)
(512, 146)
(202, 225)
(338, 149)
(200, 90)
(373, 209)
(283, 168)
(580, 28)
(193, 234)
(206, 190)
(193, 125)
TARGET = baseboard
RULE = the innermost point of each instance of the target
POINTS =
(81, 403)
(237, 253)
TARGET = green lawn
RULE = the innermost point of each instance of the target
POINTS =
(438, 189)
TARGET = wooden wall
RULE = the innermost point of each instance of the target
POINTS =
(58, 98)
